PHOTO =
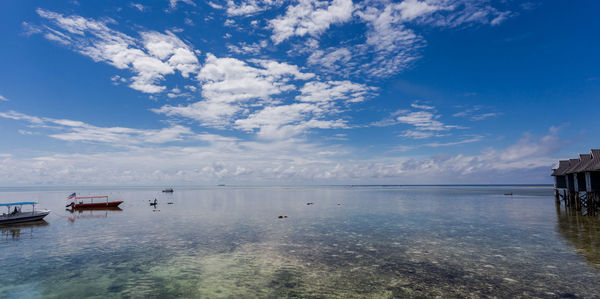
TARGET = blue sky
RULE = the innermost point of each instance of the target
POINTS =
(261, 92)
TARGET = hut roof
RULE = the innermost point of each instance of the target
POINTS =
(563, 165)
(594, 164)
(582, 165)
(574, 164)
(586, 162)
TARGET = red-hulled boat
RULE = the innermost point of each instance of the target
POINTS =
(77, 204)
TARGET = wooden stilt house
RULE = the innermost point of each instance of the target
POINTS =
(577, 170)
(592, 172)
(560, 175)
(579, 180)
(570, 176)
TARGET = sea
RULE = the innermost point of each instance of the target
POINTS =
(302, 242)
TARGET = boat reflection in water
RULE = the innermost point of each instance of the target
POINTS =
(18, 230)
(91, 213)
(581, 231)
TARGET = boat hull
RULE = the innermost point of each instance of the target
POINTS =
(97, 205)
(23, 218)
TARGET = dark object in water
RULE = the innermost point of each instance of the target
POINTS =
(508, 194)
(168, 190)
(339, 204)
(77, 203)
(310, 203)
(282, 217)
(94, 205)
(169, 203)
(154, 203)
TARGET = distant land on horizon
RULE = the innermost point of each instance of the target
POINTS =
(159, 188)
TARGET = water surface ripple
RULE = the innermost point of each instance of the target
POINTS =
(353, 242)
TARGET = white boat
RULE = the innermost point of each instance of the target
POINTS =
(17, 215)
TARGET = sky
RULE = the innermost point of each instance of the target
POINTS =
(304, 92)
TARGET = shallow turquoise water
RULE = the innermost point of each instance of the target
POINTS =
(362, 242)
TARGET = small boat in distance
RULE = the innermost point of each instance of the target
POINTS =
(168, 190)
(17, 215)
(78, 202)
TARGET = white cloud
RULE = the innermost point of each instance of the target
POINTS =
(30, 29)
(151, 58)
(333, 59)
(189, 22)
(208, 113)
(71, 130)
(322, 92)
(2, 98)
(20, 116)
(230, 23)
(245, 48)
(307, 47)
(420, 134)
(25, 132)
(484, 116)
(171, 49)
(416, 105)
(177, 93)
(459, 12)
(284, 121)
(275, 162)
(116, 80)
(526, 147)
(138, 6)
(462, 141)
(276, 101)
(173, 3)
(391, 43)
(229, 85)
(389, 46)
(412, 9)
(310, 17)
(394, 46)
(475, 113)
(248, 7)
(501, 17)
(234, 93)
(123, 136)
(191, 88)
(425, 122)
(215, 5)
(318, 102)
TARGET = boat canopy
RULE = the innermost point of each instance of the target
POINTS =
(18, 204)
(88, 197)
